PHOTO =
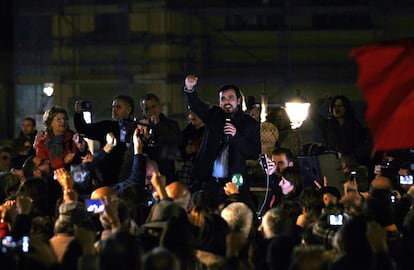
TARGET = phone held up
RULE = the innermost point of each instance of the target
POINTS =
(406, 179)
(263, 161)
(352, 176)
(94, 206)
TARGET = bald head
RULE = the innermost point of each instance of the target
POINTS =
(381, 182)
(101, 192)
(179, 193)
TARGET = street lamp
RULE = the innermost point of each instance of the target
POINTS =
(297, 109)
(48, 89)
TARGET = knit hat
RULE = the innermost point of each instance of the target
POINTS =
(72, 212)
(161, 212)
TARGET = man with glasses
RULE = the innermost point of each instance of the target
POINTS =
(35, 167)
(162, 141)
(141, 171)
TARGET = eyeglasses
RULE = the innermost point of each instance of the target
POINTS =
(60, 119)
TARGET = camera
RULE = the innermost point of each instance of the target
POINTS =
(94, 206)
(86, 105)
(335, 219)
(406, 179)
(151, 141)
(263, 161)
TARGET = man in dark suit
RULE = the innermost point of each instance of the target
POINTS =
(121, 126)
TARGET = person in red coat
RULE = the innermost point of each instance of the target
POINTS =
(59, 144)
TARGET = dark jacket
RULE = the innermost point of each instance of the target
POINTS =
(111, 166)
(19, 144)
(166, 150)
(243, 146)
(137, 177)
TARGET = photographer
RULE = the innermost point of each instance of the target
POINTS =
(121, 126)
(141, 167)
(163, 138)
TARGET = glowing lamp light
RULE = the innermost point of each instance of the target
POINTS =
(297, 109)
(48, 89)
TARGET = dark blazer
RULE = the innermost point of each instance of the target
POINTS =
(243, 146)
(111, 166)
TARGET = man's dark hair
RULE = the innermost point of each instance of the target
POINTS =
(148, 96)
(230, 86)
(28, 167)
(127, 99)
(31, 120)
(287, 152)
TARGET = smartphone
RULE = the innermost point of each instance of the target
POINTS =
(393, 197)
(25, 244)
(263, 161)
(335, 219)
(94, 206)
(352, 176)
(406, 179)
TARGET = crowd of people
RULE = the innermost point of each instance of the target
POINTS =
(153, 196)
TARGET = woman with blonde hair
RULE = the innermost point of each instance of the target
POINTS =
(59, 145)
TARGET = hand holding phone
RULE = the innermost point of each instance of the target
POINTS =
(352, 176)
(263, 161)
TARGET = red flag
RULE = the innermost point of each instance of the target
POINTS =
(386, 79)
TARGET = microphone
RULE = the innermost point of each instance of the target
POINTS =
(227, 120)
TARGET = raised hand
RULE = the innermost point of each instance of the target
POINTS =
(159, 182)
(80, 143)
(191, 82)
(230, 129)
(64, 178)
(138, 144)
(230, 188)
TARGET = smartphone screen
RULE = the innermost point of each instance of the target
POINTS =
(336, 220)
(25, 244)
(94, 206)
(406, 179)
